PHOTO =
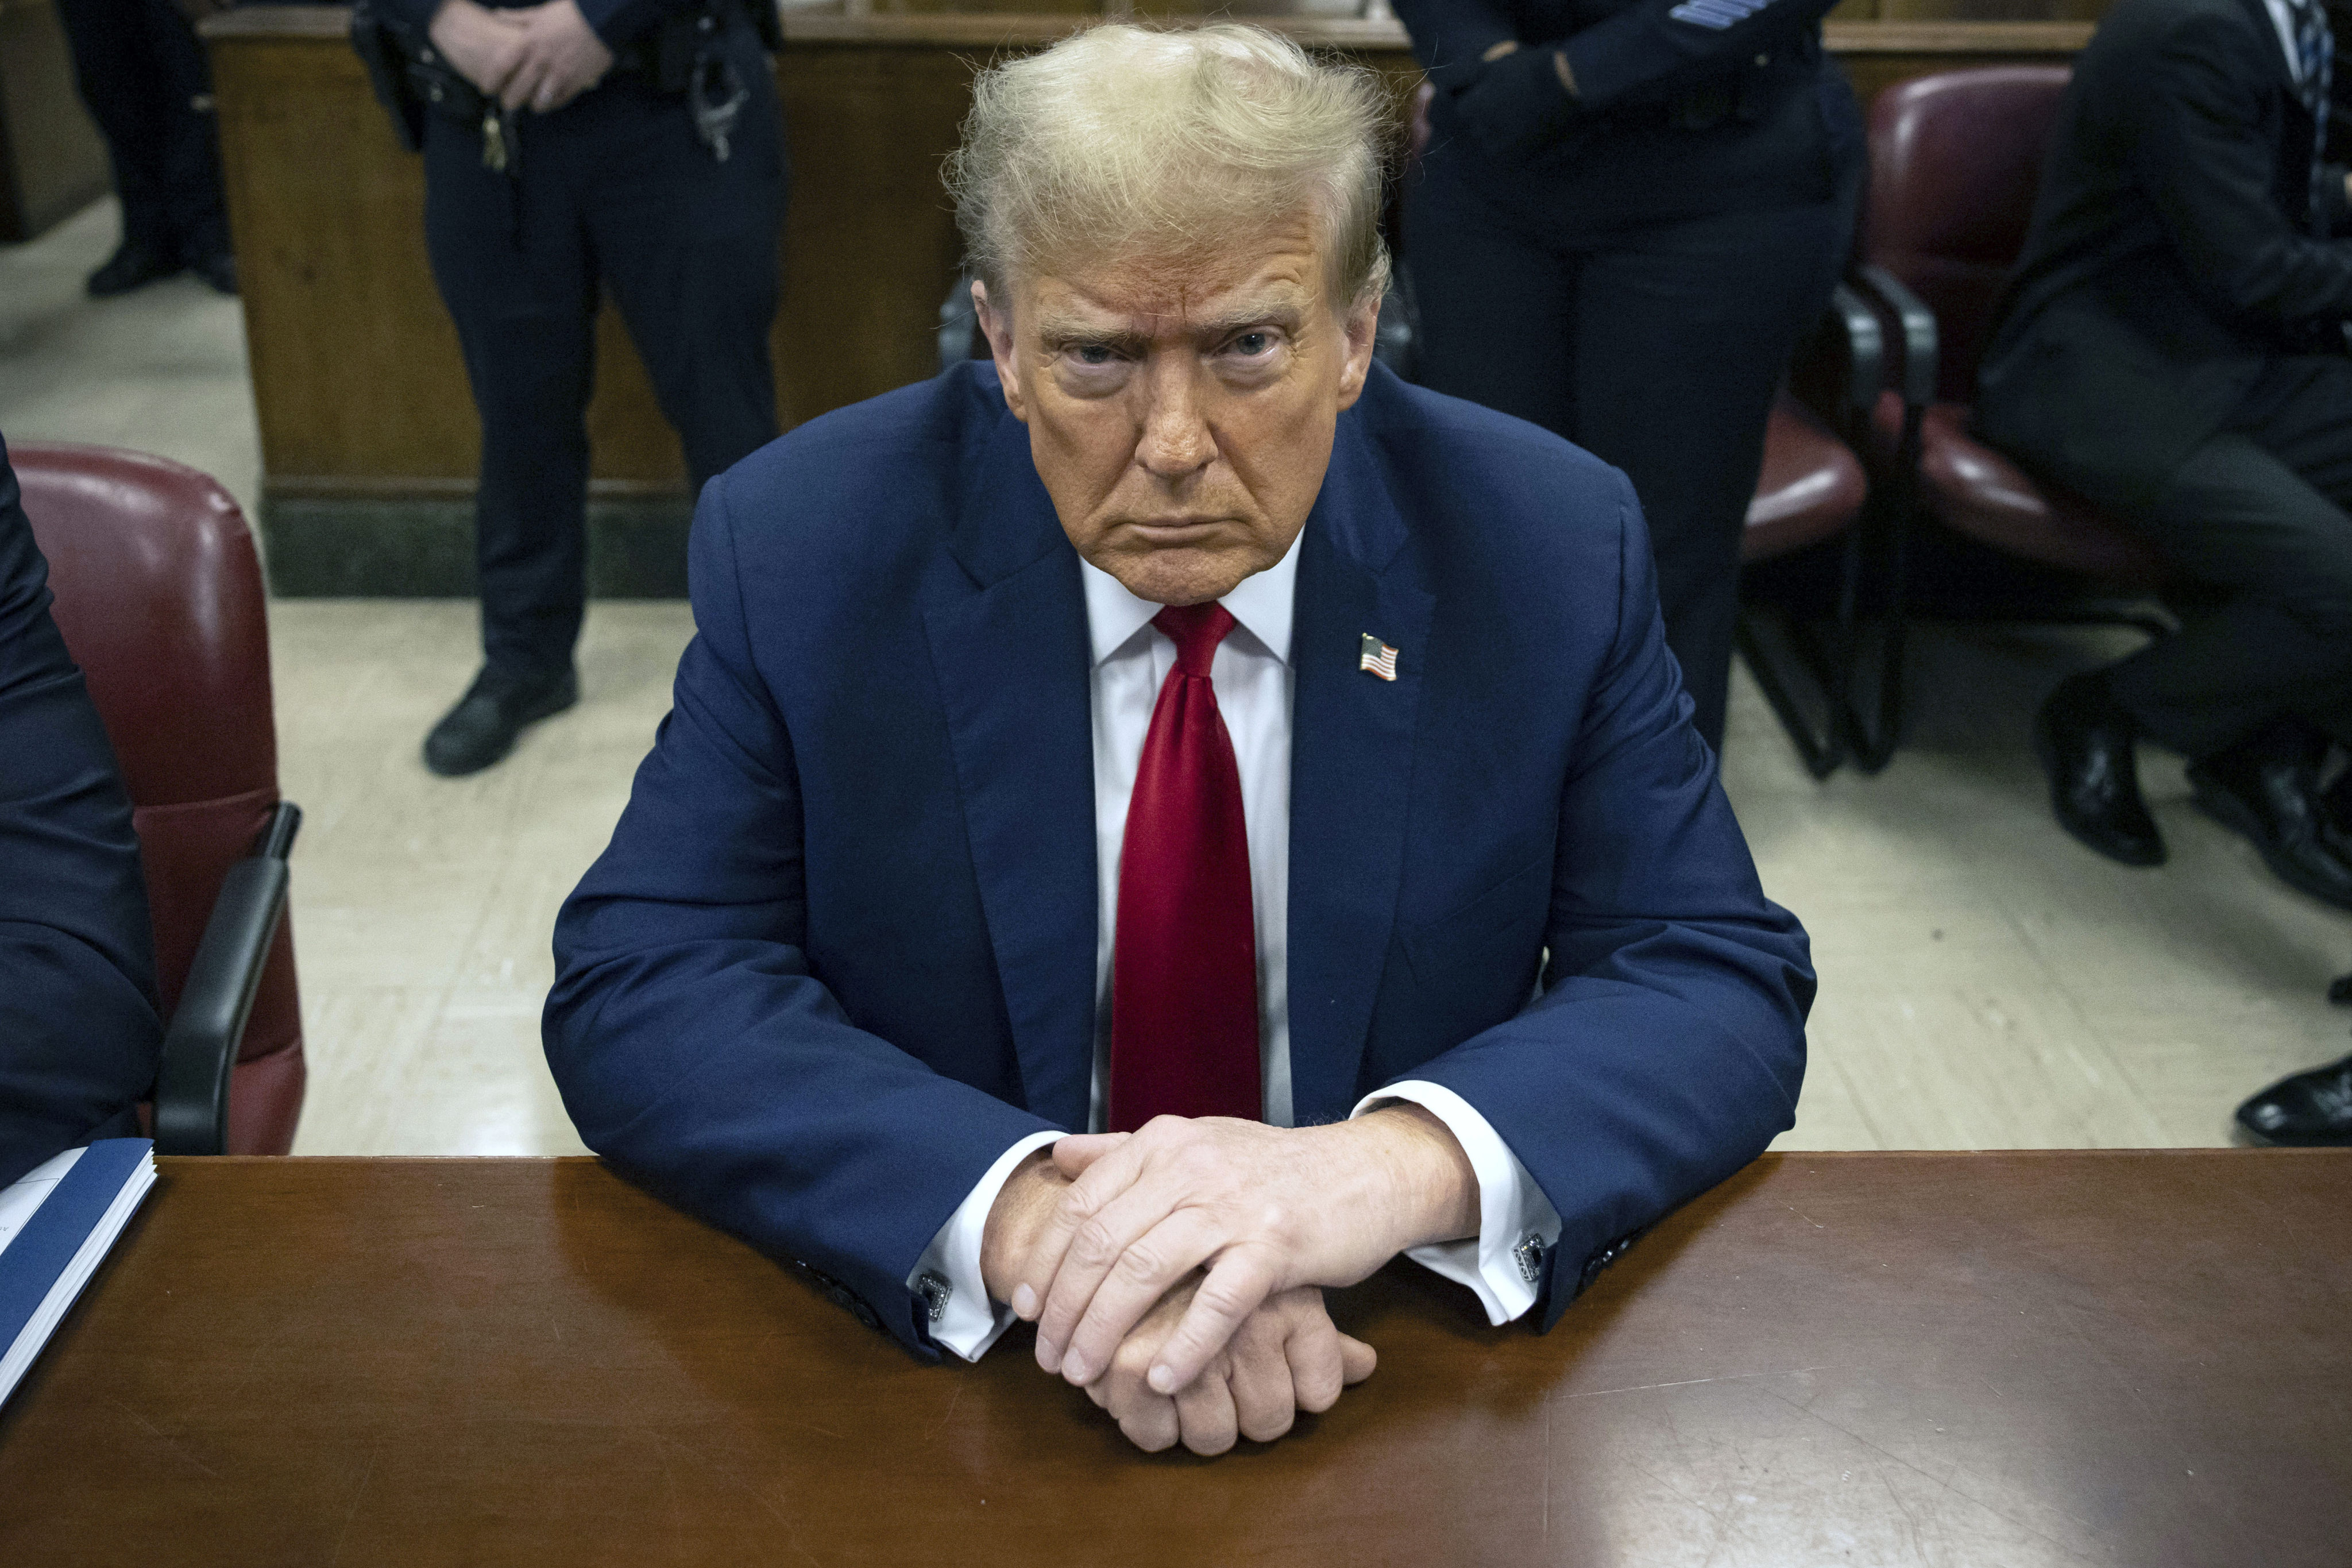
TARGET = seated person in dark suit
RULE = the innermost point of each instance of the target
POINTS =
(1162, 823)
(2172, 347)
(79, 1034)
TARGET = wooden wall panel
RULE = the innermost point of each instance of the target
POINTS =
(52, 162)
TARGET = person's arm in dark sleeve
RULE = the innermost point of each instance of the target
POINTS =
(1514, 100)
(78, 1034)
(1667, 1047)
(410, 16)
(2199, 151)
(1660, 47)
(1451, 38)
(1509, 99)
(695, 1048)
(618, 21)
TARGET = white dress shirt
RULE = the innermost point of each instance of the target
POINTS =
(1252, 677)
(2283, 18)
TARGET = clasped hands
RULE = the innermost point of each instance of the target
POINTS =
(1177, 1273)
(539, 56)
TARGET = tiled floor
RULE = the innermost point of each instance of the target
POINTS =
(1984, 981)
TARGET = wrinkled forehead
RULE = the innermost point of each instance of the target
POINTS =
(1163, 290)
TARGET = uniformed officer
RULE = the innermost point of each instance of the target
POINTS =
(143, 76)
(1628, 213)
(572, 148)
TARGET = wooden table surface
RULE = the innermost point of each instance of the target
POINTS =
(2136, 1359)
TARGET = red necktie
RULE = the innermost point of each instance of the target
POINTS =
(1184, 1011)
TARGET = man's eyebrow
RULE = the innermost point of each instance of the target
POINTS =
(1069, 332)
(1278, 310)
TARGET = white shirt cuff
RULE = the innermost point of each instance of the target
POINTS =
(1516, 1223)
(963, 1319)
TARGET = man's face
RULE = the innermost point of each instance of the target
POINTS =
(1181, 416)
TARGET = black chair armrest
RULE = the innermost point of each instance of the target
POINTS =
(1842, 368)
(1921, 366)
(200, 1047)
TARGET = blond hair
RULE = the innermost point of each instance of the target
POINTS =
(1126, 143)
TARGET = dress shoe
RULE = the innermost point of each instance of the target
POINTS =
(219, 269)
(2271, 795)
(134, 265)
(2084, 738)
(2335, 816)
(2311, 1109)
(483, 726)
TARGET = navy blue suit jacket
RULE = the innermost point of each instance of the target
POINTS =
(841, 951)
(79, 1033)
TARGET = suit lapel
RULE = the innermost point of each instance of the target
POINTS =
(2275, 50)
(1350, 769)
(1010, 651)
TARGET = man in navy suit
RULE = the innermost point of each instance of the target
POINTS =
(79, 1033)
(1156, 826)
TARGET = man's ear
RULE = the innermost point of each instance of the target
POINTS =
(997, 328)
(1358, 328)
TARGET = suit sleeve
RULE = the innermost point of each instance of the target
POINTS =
(1516, 103)
(1450, 37)
(1660, 47)
(695, 1047)
(1667, 1045)
(2198, 152)
(615, 22)
(79, 1034)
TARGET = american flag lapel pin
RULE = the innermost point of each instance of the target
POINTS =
(1378, 658)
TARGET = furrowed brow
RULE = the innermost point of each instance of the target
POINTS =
(1284, 315)
(1059, 333)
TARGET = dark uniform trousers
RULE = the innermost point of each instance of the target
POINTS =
(1657, 347)
(2260, 511)
(141, 73)
(616, 192)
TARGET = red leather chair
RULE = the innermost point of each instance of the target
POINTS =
(1955, 164)
(1811, 489)
(158, 597)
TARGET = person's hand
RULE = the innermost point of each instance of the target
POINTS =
(1520, 100)
(1266, 1209)
(481, 44)
(1286, 1356)
(562, 58)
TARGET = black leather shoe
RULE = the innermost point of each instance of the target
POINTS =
(2311, 1111)
(2335, 816)
(2271, 795)
(133, 265)
(2084, 740)
(219, 269)
(483, 726)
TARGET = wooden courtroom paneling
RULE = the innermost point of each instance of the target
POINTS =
(358, 382)
(52, 163)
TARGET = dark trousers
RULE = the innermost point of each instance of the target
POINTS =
(141, 73)
(615, 193)
(2259, 510)
(1658, 349)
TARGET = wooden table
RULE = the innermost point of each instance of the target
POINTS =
(2136, 1359)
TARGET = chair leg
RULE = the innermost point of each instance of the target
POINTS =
(1874, 748)
(1822, 749)
(1829, 664)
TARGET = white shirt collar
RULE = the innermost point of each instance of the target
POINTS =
(1261, 602)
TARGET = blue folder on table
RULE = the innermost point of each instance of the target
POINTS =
(56, 1226)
